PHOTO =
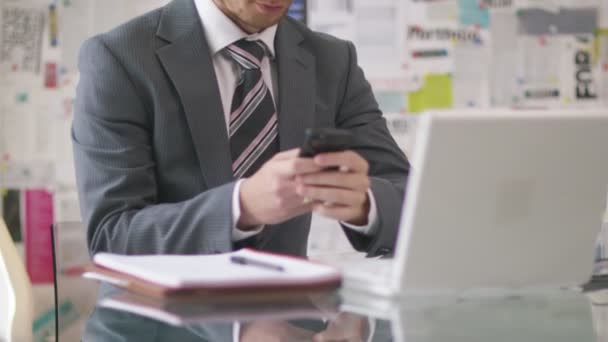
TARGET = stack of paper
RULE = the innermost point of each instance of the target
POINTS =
(206, 275)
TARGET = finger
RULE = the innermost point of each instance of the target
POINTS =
(325, 337)
(293, 153)
(295, 203)
(332, 195)
(283, 188)
(340, 213)
(289, 168)
(287, 200)
(301, 209)
(352, 181)
(346, 159)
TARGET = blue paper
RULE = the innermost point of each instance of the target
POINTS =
(474, 12)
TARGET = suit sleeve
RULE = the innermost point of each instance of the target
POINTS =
(115, 172)
(389, 166)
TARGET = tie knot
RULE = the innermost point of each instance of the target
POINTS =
(247, 53)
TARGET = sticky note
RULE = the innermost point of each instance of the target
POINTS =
(474, 12)
(435, 93)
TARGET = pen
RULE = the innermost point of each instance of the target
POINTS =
(237, 259)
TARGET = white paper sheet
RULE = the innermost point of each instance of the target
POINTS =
(580, 75)
(470, 76)
(375, 27)
(378, 36)
(603, 67)
(21, 29)
(547, 5)
(72, 15)
(438, 11)
(139, 7)
(16, 122)
(539, 70)
(603, 14)
(503, 90)
(22, 175)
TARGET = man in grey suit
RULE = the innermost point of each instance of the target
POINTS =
(187, 124)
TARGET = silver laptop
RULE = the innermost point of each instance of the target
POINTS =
(497, 199)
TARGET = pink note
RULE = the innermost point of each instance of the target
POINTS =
(38, 219)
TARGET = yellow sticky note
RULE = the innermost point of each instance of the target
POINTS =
(435, 93)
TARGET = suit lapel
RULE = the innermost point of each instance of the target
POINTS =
(188, 63)
(296, 69)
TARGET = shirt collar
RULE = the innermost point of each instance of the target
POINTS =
(221, 31)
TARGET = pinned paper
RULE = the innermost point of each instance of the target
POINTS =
(50, 75)
(494, 4)
(445, 11)
(539, 22)
(430, 53)
(21, 41)
(53, 26)
(391, 101)
(435, 93)
(545, 5)
(601, 41)
(474, 12)
(38, 243)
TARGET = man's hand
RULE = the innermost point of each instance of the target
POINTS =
(347, 327)
(338, 194)
(270, 195)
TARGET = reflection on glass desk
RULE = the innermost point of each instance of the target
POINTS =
(548, 315)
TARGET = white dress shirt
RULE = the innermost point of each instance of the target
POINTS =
(220, 32)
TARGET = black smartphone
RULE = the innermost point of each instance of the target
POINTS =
(322, 140)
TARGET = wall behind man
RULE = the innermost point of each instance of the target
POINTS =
(418, 55)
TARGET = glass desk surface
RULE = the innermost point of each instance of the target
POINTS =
(547, 315)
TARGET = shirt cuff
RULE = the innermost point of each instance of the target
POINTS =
(237, 234)
(372, 218)
(236, 331)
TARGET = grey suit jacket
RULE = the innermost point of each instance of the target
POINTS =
(151, 150)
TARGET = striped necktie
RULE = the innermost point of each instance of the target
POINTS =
(253, 117)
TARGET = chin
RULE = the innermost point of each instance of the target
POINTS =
(264, 23)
